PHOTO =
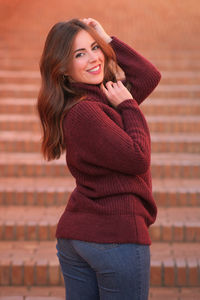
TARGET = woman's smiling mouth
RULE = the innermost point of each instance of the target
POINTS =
(95, 70)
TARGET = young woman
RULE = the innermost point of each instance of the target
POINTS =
(102, 236)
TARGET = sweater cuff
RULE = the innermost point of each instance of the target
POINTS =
(116, 44)
(126, 104)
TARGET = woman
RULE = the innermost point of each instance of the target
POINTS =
(102, 236)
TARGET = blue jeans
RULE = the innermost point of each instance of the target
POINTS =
(110, 271)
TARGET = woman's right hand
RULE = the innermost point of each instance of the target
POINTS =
(116, 92)
(99, 29)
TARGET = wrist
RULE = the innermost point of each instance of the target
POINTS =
(107, 39)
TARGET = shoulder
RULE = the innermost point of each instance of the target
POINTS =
(84, 111)
(83, 107)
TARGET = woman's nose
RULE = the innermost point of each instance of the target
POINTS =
(92, 56)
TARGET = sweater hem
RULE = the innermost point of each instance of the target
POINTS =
(103, 228)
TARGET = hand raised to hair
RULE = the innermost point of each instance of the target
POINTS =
(116, 92)
(99, 29)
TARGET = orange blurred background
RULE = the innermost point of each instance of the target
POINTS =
(149, 25)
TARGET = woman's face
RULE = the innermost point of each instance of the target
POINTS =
(87, 63)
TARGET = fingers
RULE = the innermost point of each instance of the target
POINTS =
(109, 85)
(90, 21)
(114, 85)
(120, 84)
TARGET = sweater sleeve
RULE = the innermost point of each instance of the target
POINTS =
(140, 73)
(98, 140)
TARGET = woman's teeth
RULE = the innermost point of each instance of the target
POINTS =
(94, 69)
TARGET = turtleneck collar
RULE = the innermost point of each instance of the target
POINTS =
(93, 91)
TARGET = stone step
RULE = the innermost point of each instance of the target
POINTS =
(174, 124)
(25, 64)
(183, 77)
(41, 191)
(38, 191)
(162, 91)
(175, 165)
(175, 142)
(33, 263)
(179, 64)
(19, 90)
(167, 293)
(29, 222)
(164, 165)
(20, 122)
(15, 141)
(43, 292)
(27, 141)
(168, 77)
(161, 123)
(152, 106)
(176, 224)
(177, 91)
(18, 106)
(176, 192)
(32, 77)
(32, 223)
(58, 293)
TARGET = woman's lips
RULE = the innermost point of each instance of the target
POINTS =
(95, 70)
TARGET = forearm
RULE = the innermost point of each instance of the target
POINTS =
(140, 73)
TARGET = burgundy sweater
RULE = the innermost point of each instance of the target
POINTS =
(109, 153)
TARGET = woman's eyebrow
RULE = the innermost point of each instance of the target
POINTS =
(81, 49)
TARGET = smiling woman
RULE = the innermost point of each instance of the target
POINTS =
(102, 235)
(87, 64)
(73, 52)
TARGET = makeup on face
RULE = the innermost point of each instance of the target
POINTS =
(88, 60)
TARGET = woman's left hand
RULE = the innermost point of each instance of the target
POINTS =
(99, 29)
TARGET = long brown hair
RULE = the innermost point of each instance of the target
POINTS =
(56, 96)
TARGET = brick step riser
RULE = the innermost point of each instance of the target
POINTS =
(180, 274)
(17, 109)
(30, 274)
(155, 293)
(46, 232)
(157, 94)
(49, 198)
(147, 110)
(173, 234)
(45, 274)
(170, 110)
(36, 198)
(37, 80)
(32, 170)
(159, 126)
(157, 147)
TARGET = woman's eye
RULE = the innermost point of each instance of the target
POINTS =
(95, 47)
(79, 54)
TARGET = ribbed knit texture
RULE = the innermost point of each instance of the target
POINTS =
(109, 154)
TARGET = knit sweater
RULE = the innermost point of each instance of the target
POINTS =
(109, 154)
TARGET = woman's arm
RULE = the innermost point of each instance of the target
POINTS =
(97, 140)
(139, 72)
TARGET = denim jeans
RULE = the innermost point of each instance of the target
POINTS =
(110, 271)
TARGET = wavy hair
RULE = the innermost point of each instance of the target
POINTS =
(56, 96)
